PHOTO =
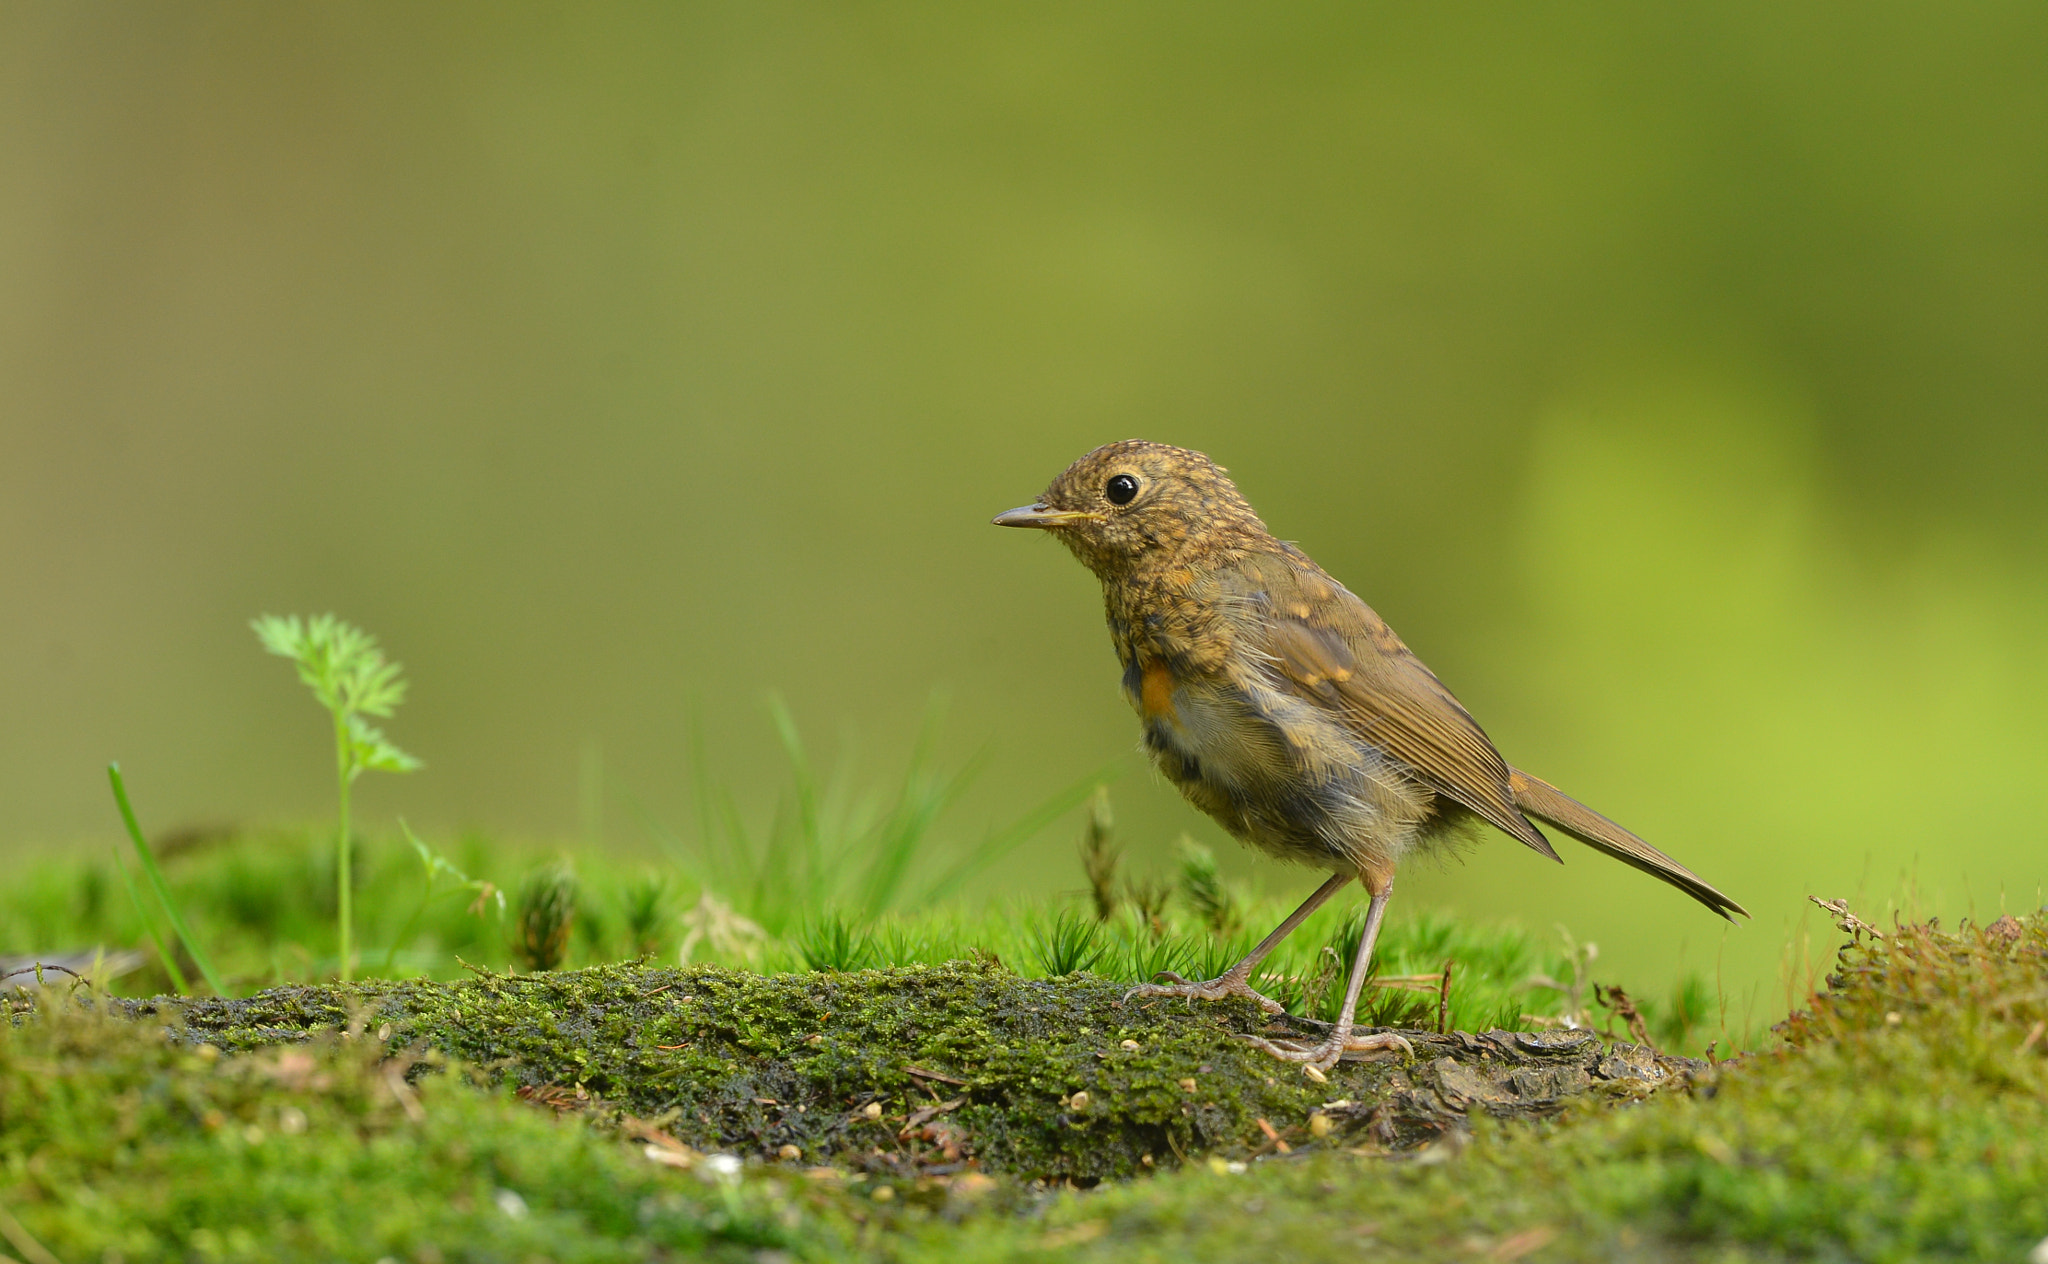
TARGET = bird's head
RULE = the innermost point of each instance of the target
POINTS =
(1133, 503)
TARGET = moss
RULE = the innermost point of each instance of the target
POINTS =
(966, 1062)
(1904, 1117)
(116, 1144)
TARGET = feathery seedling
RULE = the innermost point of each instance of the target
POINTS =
(347, 673)
(437, 866)
(1572, 993)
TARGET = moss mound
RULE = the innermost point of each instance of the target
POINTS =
(929, 1069)
(1905, 1118)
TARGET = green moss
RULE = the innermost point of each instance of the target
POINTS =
(117, 1144)
(1905, 1117)
(752, 1064)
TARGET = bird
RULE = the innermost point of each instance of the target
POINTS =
(1282, 706)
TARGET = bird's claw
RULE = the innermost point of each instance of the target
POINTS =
(1325, 1054)
(1211, 990)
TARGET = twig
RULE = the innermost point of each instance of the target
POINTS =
(1625, 1009)
(1409, 982)
(1443, 999)
(1848, 922)
(38, 968)
(925, 1114)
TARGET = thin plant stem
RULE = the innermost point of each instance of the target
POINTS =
(411, 924)
(156, 880)
(343, 775)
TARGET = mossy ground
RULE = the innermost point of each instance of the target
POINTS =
(919, 1070)
(1905, 1117)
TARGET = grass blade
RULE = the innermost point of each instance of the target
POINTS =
(1070, 943)
(809, 832)
(1004, 841)
(178, 979)
(156, 880)
(918, 808)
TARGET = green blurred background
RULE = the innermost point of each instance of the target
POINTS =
(1672, 377)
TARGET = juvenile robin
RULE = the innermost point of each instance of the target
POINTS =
(1282, 706)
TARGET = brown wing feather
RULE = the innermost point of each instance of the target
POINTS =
(1338, 652)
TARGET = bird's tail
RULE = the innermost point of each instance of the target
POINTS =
(1539, 798)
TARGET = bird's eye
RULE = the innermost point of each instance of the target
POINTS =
(1121, 490)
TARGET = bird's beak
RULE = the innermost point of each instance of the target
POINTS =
(1041, 516)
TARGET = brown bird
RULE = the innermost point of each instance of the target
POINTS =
(1282, 706)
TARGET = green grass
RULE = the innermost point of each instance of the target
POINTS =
(836, 842)
(263, 903)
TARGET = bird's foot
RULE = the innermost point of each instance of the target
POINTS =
(1213, 990)
(1324, 1055)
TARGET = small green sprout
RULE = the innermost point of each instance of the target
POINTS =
(347, 673)
(436, 866)
(1069, 943)
(831, 942)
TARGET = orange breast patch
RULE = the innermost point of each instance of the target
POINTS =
(1155, 692)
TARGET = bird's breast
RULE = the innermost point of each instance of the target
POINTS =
(1276, 770)
(1211, 730)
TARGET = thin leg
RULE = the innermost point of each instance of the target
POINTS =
(1324, 1055)
(1236, 981)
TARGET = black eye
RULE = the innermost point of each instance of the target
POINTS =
(1121, 490)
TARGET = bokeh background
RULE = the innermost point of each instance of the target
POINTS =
(1672, 377)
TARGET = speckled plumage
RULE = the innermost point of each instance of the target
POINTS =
(1278, 702)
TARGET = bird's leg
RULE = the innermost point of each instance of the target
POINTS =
(1236, 981)
(1324, 1055)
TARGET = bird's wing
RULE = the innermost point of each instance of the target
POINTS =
(1322, 643)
